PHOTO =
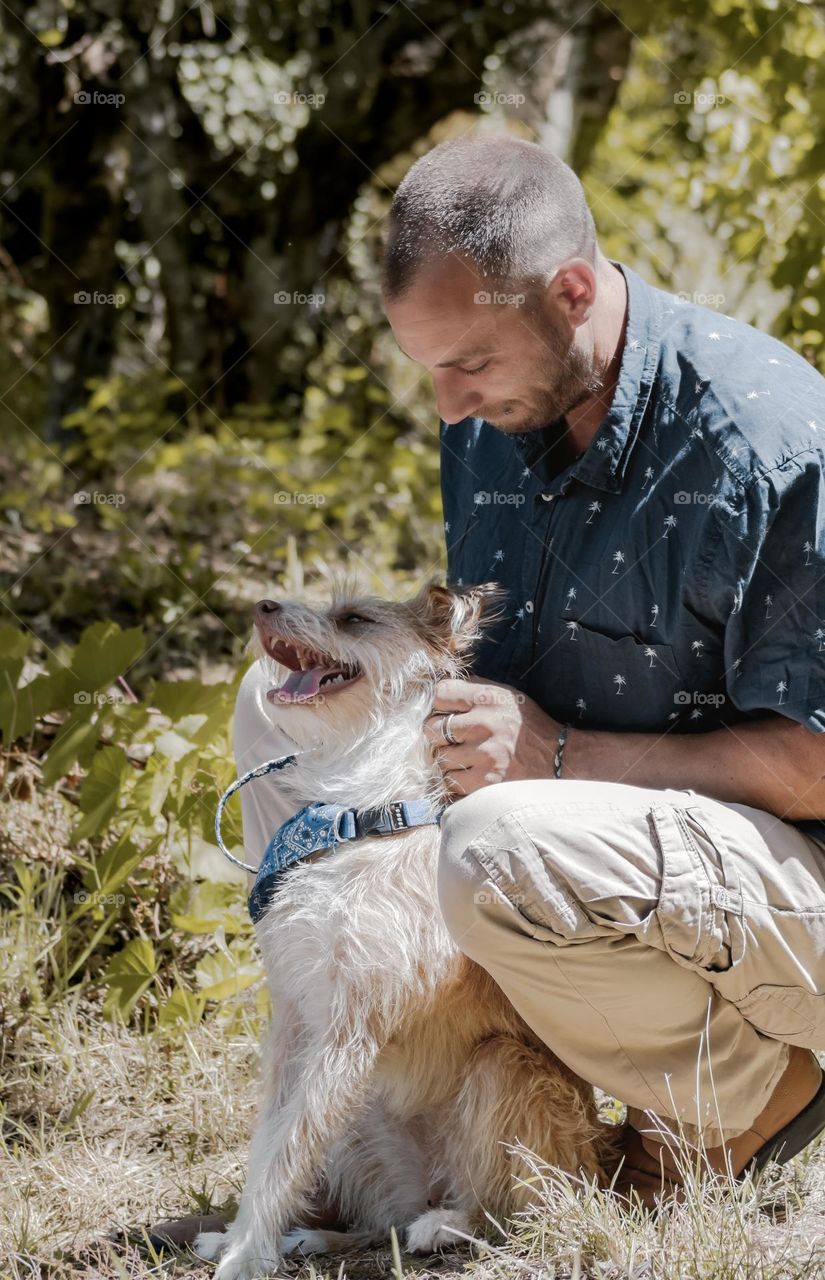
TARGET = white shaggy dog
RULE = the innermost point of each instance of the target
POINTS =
(396, 1074)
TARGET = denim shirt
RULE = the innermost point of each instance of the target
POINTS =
(671, 579)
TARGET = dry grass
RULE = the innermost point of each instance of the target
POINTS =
(107, 1130)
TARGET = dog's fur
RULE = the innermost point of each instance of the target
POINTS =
(397, 1076)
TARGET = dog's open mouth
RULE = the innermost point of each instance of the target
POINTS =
(311, 674)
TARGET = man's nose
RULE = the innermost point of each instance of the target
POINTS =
(265, 608)
(456, 401)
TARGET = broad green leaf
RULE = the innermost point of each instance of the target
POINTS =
(206, 906)
(128, 975)
(223, 975)
(114, 866)
(100, 792)
(75, 738)
(104, 652)
(183, 1007)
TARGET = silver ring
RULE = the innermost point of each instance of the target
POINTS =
(447, 731)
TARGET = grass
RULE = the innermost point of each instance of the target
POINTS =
(106, 1128)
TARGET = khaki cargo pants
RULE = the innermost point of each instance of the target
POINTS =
(668, 947)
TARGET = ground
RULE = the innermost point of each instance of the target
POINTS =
(108, 1127)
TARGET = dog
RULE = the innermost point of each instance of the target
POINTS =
(397, 1077)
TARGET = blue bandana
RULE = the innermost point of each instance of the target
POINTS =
(316, 827)
(324, 826)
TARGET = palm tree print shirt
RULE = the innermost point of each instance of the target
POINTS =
(671, 579)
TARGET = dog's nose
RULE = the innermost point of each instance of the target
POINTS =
(264, 608)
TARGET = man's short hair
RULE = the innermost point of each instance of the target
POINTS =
(513, 208)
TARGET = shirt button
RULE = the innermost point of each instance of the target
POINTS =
(547, 497)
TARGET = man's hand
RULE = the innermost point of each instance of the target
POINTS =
(502, 735)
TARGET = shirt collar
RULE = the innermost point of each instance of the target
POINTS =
(604, 462)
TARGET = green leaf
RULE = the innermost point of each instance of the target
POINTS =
(183, 1007)
(227, 973)
(72, 742)
(208, 906)
(104, 652)
(100, 792)
(128, 975)
(114, 866)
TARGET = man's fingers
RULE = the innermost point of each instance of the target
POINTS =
(455, 758)
(454, 695)
(463, 727)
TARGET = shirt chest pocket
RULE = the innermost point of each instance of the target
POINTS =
(613, 682)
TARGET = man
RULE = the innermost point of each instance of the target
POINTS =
(638, 859)
(645, 477)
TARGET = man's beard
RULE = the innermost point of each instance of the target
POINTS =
(577, 378)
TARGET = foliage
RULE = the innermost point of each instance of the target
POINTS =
(147, 915)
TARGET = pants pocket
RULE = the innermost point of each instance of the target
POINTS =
(701, 911)
(786, 1013)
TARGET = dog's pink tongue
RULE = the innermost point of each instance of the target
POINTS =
(299, 685)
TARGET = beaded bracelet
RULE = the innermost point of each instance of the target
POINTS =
(560, 750)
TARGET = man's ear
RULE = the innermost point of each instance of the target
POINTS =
(454, 617)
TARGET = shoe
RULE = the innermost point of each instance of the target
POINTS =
(793, 1116)
(180, 1232)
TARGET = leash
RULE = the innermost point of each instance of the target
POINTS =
(314, 828)
(260, 771)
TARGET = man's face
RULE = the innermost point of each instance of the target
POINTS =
(509, 358)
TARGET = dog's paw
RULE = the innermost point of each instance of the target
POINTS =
(209, 1245)
(432, 1232)
(238, 1261)
(304, 1241)
(247, 1263)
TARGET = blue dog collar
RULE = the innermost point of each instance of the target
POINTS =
(320, 827)
(314, 828)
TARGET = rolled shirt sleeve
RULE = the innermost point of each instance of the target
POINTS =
(774, 638)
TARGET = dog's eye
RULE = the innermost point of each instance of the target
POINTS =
(353, 617)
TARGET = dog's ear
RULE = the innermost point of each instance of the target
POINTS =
(454, 617)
